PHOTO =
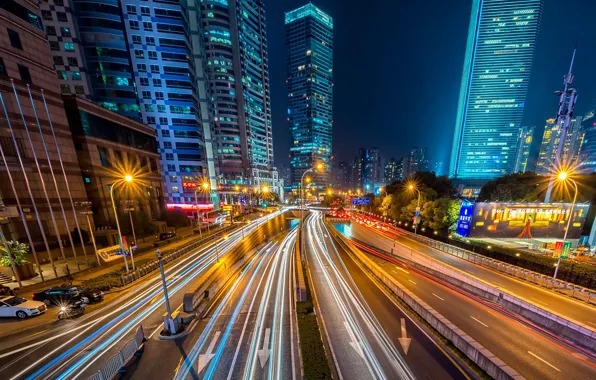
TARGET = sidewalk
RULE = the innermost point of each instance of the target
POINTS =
(145, 252)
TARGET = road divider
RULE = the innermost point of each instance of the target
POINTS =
(566, 330)
(482, 357)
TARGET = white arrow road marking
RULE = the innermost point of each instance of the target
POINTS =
(265, 352)
(206, 358)
(404, 341)
(357, 346)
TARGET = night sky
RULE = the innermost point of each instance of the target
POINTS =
(398, 66)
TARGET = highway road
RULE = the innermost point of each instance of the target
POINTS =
(541, 297)
(250, 333)
(531, 353)
(363, 325)
(76, 348)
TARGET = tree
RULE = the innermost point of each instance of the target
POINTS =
(385, 206)
(518, 187)
(17, 251)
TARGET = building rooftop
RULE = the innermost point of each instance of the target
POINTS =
(309, 10)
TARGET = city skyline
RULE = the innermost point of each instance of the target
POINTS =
(439, 87)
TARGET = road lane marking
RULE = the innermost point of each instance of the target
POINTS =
(34, 334)
(412, 281)
(479, 321)
(542, 360)
(403, 270)
(593, 324)
(438, 297)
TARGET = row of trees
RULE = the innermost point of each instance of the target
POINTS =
(439, 203)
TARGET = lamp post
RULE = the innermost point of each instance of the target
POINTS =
(319, 166)
(564, 176)
(198, 216)
(130, 208)
(88, 212)
(127, 178)
(412, 187)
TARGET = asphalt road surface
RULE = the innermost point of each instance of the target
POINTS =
(531, 353)
(364, 326)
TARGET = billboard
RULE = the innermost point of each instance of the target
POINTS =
(465, 218)
(526, 220)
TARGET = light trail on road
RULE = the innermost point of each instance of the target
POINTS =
(56, 364)
(359, 319)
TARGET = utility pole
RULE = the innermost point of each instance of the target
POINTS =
(567, 99)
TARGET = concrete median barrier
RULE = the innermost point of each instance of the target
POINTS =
(482, 357)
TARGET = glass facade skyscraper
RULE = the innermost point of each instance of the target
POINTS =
(498, 62)
(588, 148)
(238, 71)
(309, 44)
(139, 59)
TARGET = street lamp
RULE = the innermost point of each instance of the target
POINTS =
(563, 177)
(127, 178)
(312, 169)
(412, 187)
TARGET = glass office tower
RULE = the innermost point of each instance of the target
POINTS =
(497, 66)
(139, 59)
(309, 44)
(238, 72)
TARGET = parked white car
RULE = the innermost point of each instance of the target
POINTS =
(12, 306)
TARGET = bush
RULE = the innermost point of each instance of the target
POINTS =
(314, 358)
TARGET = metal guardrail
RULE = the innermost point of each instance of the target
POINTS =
(574, 291)
(116, 364)
(153, 265)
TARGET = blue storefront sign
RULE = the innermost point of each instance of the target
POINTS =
(464, 223)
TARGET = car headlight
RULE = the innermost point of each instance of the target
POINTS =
(63, 308)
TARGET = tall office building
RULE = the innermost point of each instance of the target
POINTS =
(238, 71)
(550, 142)
(140, 59)
(309, 65)
(498, 63)
(359, 170)
(40, 176)
(588, 148)
(526, 136)
(373, 168)
(342, 175)
(392, 171)
(438, 168)
(417, 161)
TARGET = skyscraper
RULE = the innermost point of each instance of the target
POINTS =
(417, 161)
(309, 44)
(497, 67)
(588, 148)
(237, 66)
(342, 175)
(373, 168)
(392, 172)
(526, 136)
(140, 59)
(550, 141)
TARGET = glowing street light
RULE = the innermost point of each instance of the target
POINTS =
(412, 187)
(127, 178)
(563, 176)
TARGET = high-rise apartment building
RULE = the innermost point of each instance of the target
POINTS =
(550, 142)
(392, 171)
(526, 135)
(309, 66)
(342, 175)
(497, 66)
(140, 59)
(238, 70)
(373, 168)
(358, 170)
(417, 161)
(587, 158)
